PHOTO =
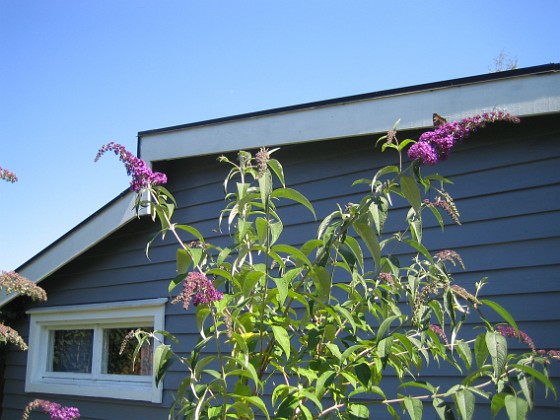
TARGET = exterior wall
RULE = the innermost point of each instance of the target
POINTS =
(507, 188)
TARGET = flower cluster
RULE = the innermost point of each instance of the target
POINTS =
(553, 354)
(198, 288)
(142, 175)
(387, 278)
(7, 175)
(507, 331)
(435, 146)
(439, 332)
(13, 282)
(262, 157)
(54, 410)
(445, 202)
(452, 256)
(9, 335)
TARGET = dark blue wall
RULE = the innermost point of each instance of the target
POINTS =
(507, 188)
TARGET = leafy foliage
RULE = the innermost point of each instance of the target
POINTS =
(314, 331)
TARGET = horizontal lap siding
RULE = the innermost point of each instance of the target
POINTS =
(507, 188)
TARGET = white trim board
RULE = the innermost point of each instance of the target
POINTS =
(524, 95)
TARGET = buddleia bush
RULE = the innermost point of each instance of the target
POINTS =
(337, 327)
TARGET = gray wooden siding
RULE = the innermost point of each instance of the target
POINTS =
(507, 188)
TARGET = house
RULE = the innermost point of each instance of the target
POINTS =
(98, 279)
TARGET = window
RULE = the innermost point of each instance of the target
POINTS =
(76, 350)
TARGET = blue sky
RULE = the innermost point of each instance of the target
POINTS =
(75, 75)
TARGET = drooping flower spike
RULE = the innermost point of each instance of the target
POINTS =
(142, 175)
(435, 146)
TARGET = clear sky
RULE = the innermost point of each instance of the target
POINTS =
(75, 75)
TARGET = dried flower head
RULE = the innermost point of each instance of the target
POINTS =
(13, 282)
(553, 354)
(445, 202)
(142, 175)
(459, 291)
(435, 146)
(451, 256)
(129, 336)
(9, 335)
(262, 157)
(508, 331)
(7, 175)
(198, 289)
(391, 137)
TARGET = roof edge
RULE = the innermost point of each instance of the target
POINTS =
(109, 218)
(534, 70)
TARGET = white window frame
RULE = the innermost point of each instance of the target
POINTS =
(145, 313)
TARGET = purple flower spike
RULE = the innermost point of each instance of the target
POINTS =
(198, 288)
(142, 175)
(507, 331)
(435, 146)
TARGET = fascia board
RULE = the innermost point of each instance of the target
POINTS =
(90, 232)
(526, 95)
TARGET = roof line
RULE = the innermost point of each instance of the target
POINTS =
(545, 68)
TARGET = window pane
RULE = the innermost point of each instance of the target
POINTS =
(124, 363)
(72, 350)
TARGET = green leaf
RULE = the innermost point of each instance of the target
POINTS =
(356, 249)
(358, 411)
(335, 351)
(421, 248)
(282, 338)
(413, 407)
(384, 347)
(347, 316)
(443, 409)
(256, 401)
(497, 403)
(370, 239)
(265, 188)
(262, 231)
(516, 407)
(183, 261)
(294, 195)
(535, 374)
(288, 279)
(410, 190)
(175, 282)
(295, 253)
(325, 380)
(497, 347)
(379, 212)
(383, 171)
(465, 352)
(276, 229)
(201, 364)
(464, 402)
(322, 279)
(480, 350)
(194, 232)
(385, 326)
(276, 167)
(162, 361)
(502, 312)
